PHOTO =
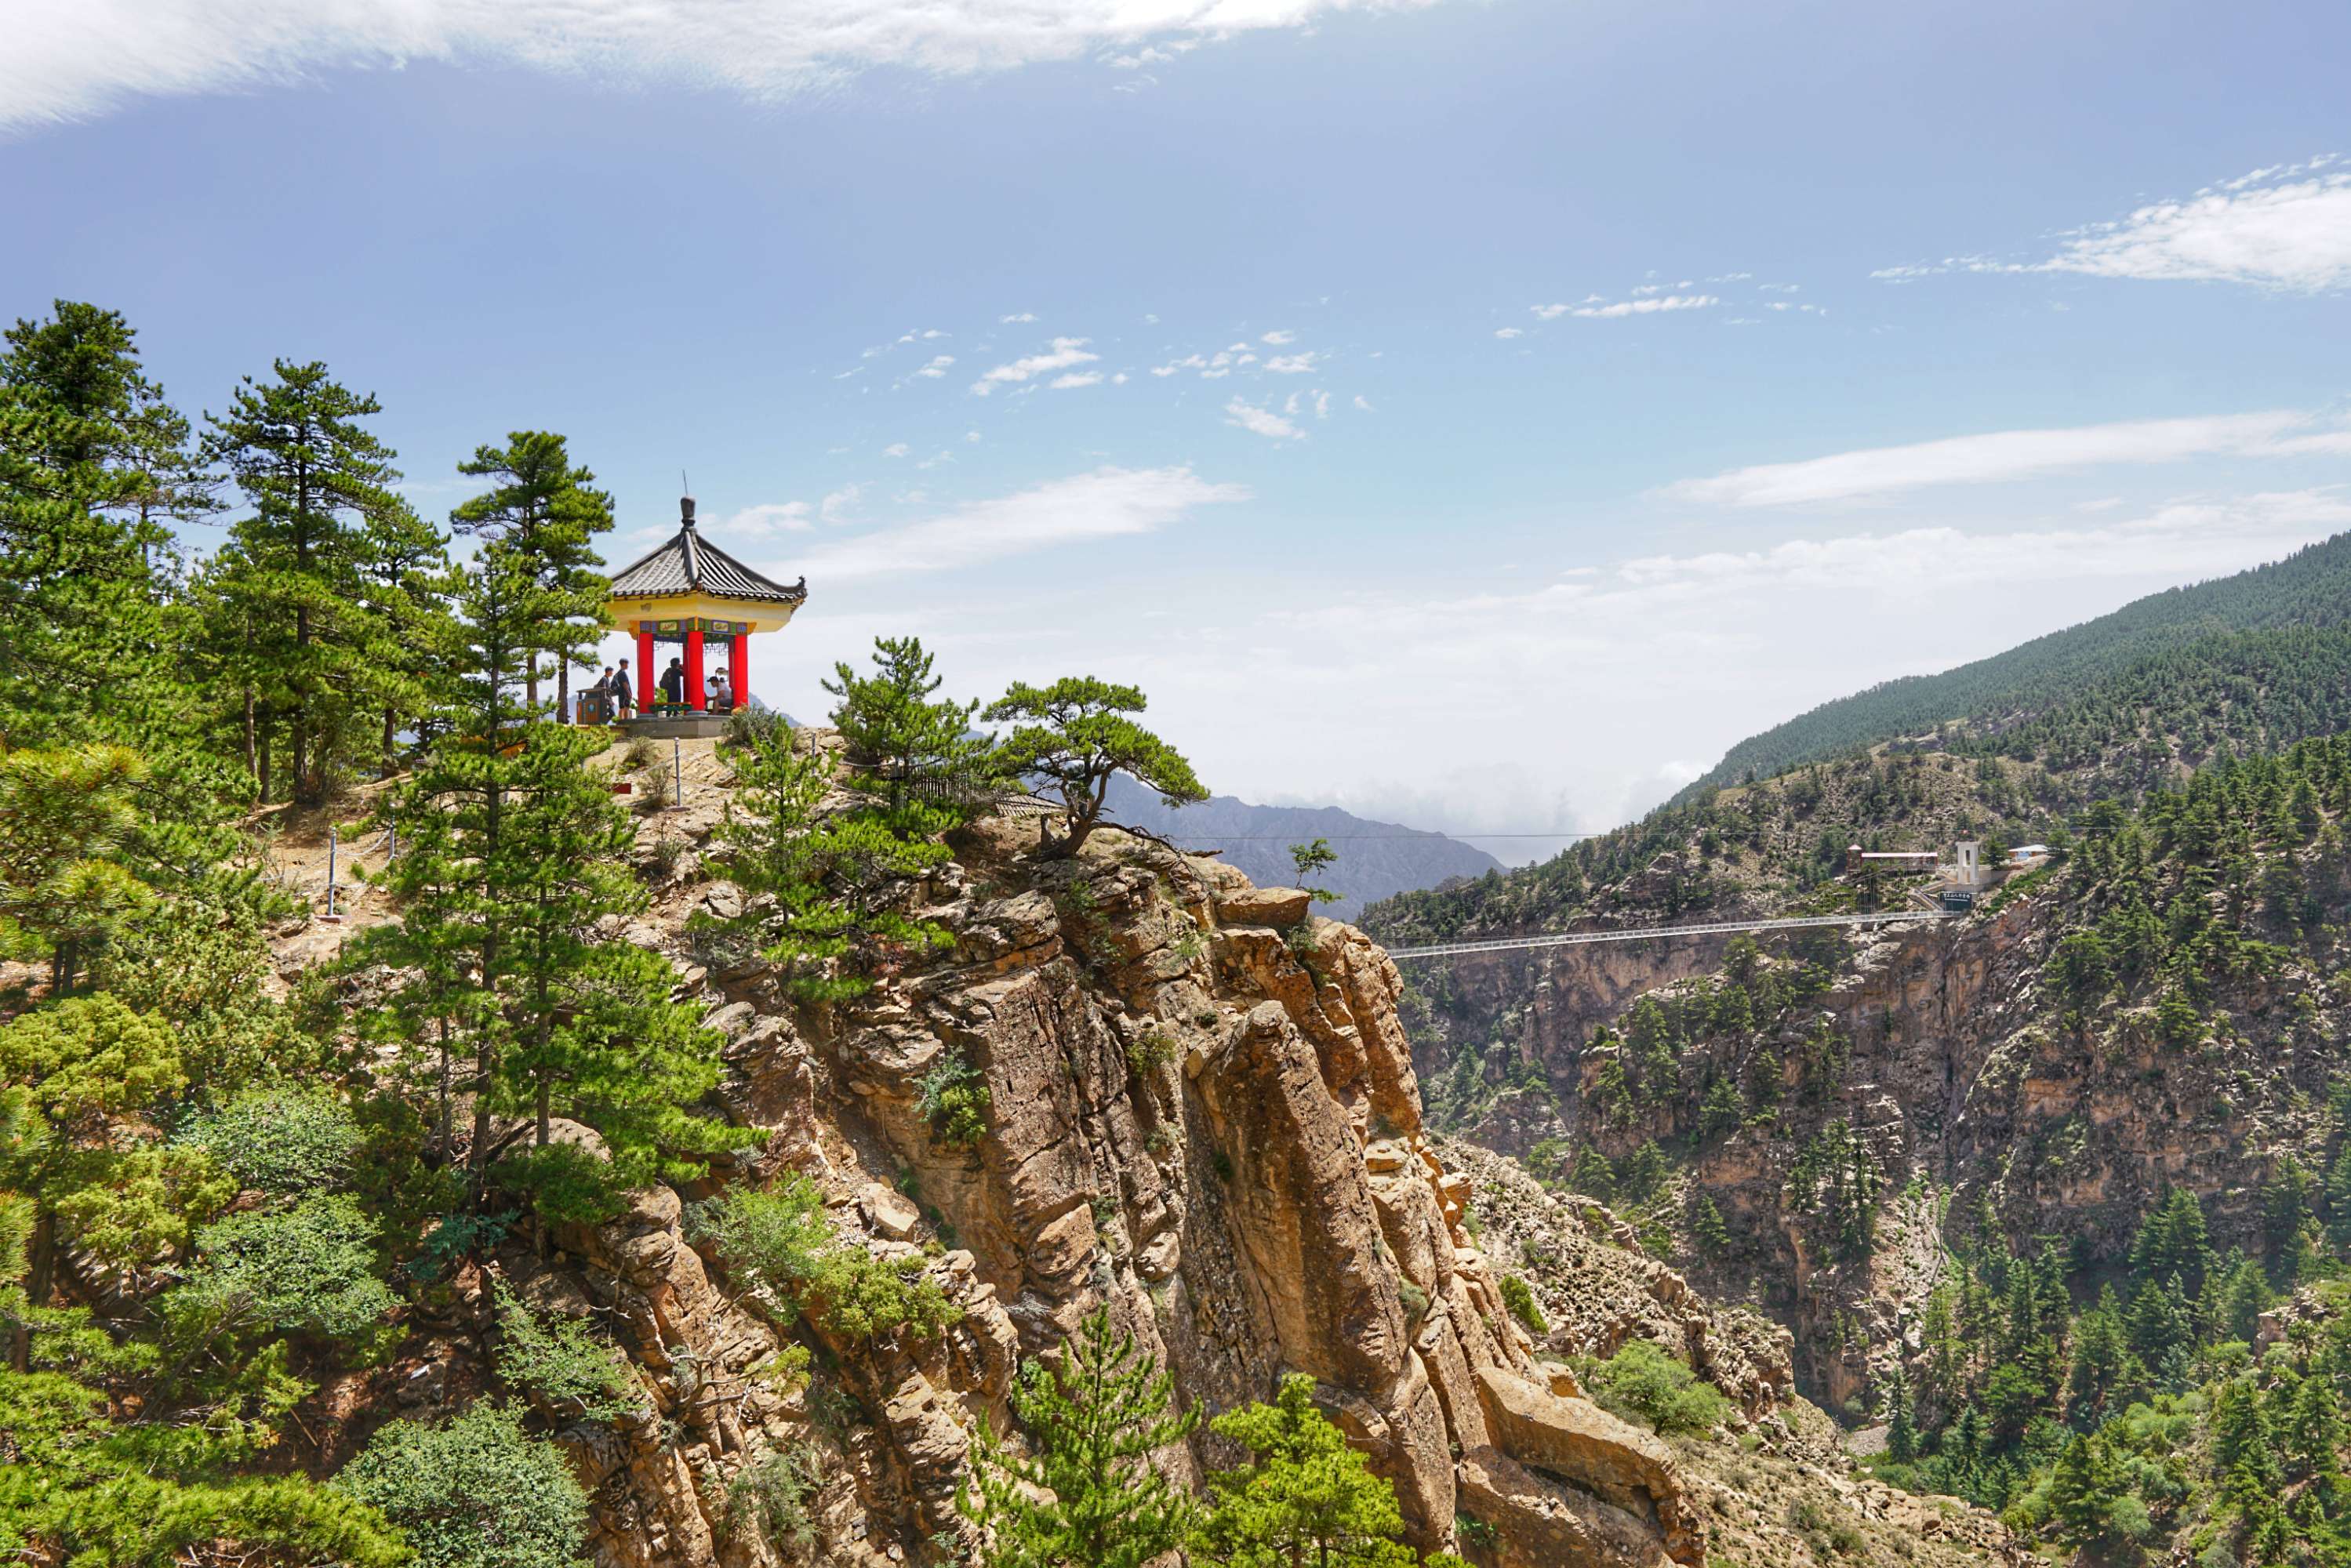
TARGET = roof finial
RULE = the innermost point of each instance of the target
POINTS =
(685, 502)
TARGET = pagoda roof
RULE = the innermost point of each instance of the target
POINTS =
(689, 563)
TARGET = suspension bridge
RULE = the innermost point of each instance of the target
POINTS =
(1717, 929)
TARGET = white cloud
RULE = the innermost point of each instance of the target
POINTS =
(1511, 332)
(2283, 227)
(1022, 317)
(937, 367)
(1296, 364)
(1261, 422)
(1108, 502)
(1321, 405)
(2278, 228)
(836, 506)
(1065, 352)
(895, 449)
(766, 521)
(2015, 454)
(1647, 306)
(67, 60)
(1077, 379)
(2182, 539)
(1280, 337)
(1364, 403)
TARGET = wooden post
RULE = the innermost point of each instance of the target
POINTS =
(645, 666)
(739, 666)
(695, 698)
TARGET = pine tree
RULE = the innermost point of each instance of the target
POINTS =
(94, 639)
(1721, 1112)
(2313, 1428)
(1094, 1426)
(2083, 1490)
(548, 513)
(2244, 1449)
(1592, 1175)
(1304, 1497)
(915, 753)
(1707, 1230)
(1901, 1429)
(320, 485)
(63, 818)
(830, 879)
(1075, 735)
(513, 851)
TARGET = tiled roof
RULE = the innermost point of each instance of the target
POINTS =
(692, 564)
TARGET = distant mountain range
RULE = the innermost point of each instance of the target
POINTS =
(1375, 859)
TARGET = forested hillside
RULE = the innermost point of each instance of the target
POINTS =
(2256, 660)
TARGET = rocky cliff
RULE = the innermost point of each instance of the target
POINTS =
(1202, 1111)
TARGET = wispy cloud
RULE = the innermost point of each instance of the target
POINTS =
(937, 367)
(2015, 454)
(766, 521)
(1108, 502)
(1017, 318)
(1261, 421)
(1076, 378)
(1642, 305)
(67, 60)
(1065, 352)
(2285, 227)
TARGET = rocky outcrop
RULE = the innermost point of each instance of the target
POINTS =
(1201, 1112)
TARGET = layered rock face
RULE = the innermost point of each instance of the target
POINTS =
(1201, 1112)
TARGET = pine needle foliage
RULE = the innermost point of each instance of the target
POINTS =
(1304, 1497)
(1074, 736)
(1085, 1495)
(916, 754)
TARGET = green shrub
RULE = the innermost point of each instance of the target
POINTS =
(1642, 1382)
(858, 1295)
(782, 1241)
(310, 1269)
(1416, 1303)
(1150, 1052)
(285, 1141)
(954, 1101)
(473, 1493)
(1520, 1297)
(560, 1360)
(767, 1501)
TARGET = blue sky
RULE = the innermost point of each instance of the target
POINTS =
(1480, 413)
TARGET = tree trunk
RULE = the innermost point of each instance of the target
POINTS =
(441, 1120)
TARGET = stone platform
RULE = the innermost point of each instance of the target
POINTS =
(679, 727)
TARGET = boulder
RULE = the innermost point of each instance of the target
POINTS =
(1578, 1442)
(1264, 905)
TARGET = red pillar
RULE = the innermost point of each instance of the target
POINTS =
(738, 665)
(644, 666)
(694, 695)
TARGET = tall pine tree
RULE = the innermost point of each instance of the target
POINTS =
(547, 511)
(1086, 1495)
(317, 664)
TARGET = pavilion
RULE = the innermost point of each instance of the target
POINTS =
(688, 592)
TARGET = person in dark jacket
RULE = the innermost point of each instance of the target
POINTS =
(625, 691)
(673, 684)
